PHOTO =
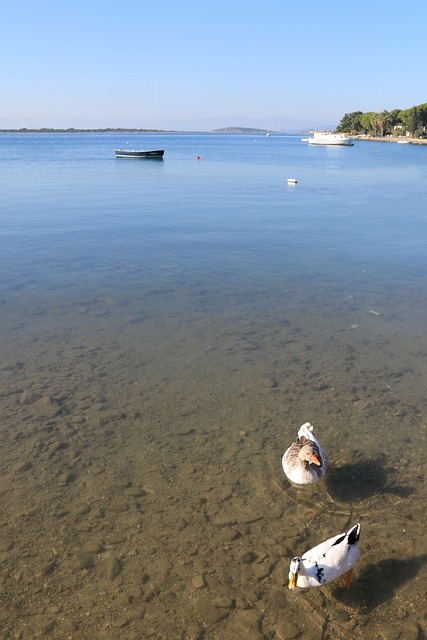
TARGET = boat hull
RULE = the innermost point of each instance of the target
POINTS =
(330, 139)
(131, 153)
(348, 143)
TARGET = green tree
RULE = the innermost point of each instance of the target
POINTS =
(344, 124)
(375, 123)
(395, 118)
(413, 120)
(350, 123)
(372, 123)
(422, 115)
(383, 120)
(366, 122)
(404, 118)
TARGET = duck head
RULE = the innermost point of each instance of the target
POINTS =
(308, 454)
(294, 569)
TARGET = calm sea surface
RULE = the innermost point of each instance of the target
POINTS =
(166, 328)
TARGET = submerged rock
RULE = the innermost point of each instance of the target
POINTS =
(47, 407)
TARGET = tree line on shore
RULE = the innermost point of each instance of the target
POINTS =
(411, 122)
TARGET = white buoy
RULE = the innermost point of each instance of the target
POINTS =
(292, 181)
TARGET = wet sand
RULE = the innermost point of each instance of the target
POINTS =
(141, 484)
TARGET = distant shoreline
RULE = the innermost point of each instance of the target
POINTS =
(230, 130)
(72, 130)
(400, 139)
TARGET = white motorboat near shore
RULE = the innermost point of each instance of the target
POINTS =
(328, 138)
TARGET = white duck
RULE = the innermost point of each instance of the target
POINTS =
(305, 462)
(326, 562)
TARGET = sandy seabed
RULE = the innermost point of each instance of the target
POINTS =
(142, 494)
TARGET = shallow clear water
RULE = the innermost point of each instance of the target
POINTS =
(166, 328)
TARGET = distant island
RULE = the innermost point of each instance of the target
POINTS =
(398, 122)
(132, 130)
(243, 130)
(72, 130)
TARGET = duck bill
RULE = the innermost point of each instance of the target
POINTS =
(293, 577)
(315, 460)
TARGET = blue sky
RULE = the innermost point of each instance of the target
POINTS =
(193, 65)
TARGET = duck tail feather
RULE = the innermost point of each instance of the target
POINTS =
(354, 534)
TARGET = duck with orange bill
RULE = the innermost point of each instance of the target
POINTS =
(305, 462)
(326, 562)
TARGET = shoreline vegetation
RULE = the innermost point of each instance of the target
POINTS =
(398, 123)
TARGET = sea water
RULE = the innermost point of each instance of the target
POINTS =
(166, 328)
